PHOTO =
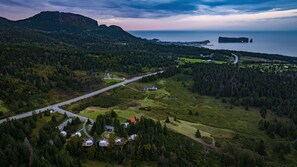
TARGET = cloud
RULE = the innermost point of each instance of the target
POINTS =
(109, 11)
(156, 8)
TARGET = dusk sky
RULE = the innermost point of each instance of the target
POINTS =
(168, 14)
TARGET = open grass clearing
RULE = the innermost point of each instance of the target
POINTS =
(93, 112)
(184, 60)
(3, 108)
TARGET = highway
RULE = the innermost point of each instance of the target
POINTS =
(56, 107)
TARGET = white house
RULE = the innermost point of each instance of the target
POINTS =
(118, 140)
(154, 88)
(103, 143)
(133, 137)
(63, 133)
(78, 134)
(125, 124)
(88, 143)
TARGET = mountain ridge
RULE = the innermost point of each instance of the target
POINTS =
(53, 21)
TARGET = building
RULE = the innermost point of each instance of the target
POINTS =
(132, 120)
(133, 137)
(103, 143)
(63, 133)
(153, 88)
(118, 141)
(109, 128)
(78, 134)
(87, 143)
(125, 124)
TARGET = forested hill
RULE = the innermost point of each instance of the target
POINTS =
(56, 21)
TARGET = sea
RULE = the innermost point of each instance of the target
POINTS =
(273, 42)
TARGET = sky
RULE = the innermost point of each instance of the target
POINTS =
(259, 15)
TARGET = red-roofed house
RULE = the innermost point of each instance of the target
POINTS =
(132, 120)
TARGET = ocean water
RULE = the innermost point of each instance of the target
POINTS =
(274, 42)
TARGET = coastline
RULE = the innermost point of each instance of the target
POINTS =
(265, 42)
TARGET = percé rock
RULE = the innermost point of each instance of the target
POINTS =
(233, 40)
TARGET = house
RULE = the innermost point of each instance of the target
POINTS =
(78, 134)
(87, 143)
(132, 120)
(153, 88)
(109, 128)
(125, 124)
(118, 140)
(132, 137)
(63, 133)
(103, 143)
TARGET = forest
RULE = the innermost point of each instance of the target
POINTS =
(269, 91)
(19, 148)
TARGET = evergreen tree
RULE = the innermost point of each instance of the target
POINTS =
(190, 112)
(167, 120)
(165, 131)
(65, 115)
(261, 148)
(113, 114)
(34, 116)
(197, 134)
(54, 119)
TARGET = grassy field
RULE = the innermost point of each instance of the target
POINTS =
(174, 98)
(184, 60)
(93, 112)
(3, 109)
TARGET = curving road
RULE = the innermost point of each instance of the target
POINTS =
(236, 59)
(55, 107)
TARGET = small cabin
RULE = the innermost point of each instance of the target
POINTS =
(103, 143)
(78, 134)
(118, 140)
(125, 124)
(87, 143)
(133, 137)
(63, 133)
(154, 88)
